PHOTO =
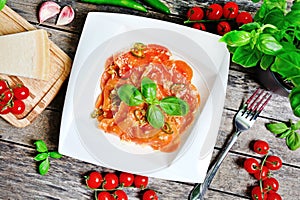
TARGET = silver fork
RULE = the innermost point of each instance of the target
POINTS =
(244, 119)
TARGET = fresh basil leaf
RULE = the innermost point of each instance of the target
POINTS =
(174, 106)
(276, 18)
(285, 133)
(296, 6)
(295, 126)
(268, 44)
(250, 26)
(246, 56)
(277, 128)
(294, 97)
(130, 95)
(293, 141)
(41, 146)
(236, 38)
(292, 18)
(266, 61)
(55, 154)
(155, 117)
(287, 64)
(41, 156)
(148, 89)
(261, 13)
(44, 167)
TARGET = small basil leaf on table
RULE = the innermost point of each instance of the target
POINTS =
(41, 146)
(293, 141)
(130, 95)
(44, 167)
(155, 117)
(148, 89)
(41, 156)
(277, 128)
(174, 106)
(55, 154)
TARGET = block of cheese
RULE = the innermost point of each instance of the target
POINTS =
(26, 54)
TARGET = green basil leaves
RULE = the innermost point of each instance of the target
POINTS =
(287, 131)
(171, 105)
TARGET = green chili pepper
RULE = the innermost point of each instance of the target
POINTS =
(123, 3)
(157, 4)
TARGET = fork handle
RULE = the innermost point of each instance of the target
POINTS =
(200, 189)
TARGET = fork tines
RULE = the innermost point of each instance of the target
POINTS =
(257, 102)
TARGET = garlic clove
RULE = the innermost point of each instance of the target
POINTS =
(66, 16)
(48, 10)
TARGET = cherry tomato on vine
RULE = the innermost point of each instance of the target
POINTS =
(230, 10)
(18, 107)
(111, 181)
(262, 174)
(150, 195)
(120, 195)
(195, 13)
(273, 162)
(261, 147)
(251, 165)
(214, 12)
(6, 95)
(271, 184)
(105, 196)
(126, 179)
(94, 180)
(274, 196)
(199, 26)
(3, 85)
(21, 92)
(140, 181)
(4, 109)
(257, 194)
(243, 18)
(223, 27)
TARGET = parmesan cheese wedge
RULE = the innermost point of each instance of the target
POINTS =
(26, 54)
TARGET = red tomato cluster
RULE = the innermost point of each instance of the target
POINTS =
(12, 99)
(226, 17)
(110, 185)
(268, 186)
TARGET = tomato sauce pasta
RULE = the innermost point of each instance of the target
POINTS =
(171, 78)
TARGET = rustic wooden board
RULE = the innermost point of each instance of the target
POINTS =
(41, 92)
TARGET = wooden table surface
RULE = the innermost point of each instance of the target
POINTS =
(19, 178)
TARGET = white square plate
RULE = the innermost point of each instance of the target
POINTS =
(105, 34)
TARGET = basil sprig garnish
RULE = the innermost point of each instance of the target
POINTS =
(171, 105)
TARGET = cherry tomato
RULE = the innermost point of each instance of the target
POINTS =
(105, 196)
(230, 10)
(18, 107)
(274, 196)
(150, 195)
(21, 92)
(261, 147)
(111, 181)
(214, 12)
(140, 181)
(223, 27)
(273, 162)
(195, 13)
(126, 179)
(125, 71)
(120, 195)
(4, 109)
(3, 85)
(257, 194)
(251, 165)
(243, 18)
(199, 26)
(94, 180)
(270, 184)
(6, 95)
(262, 174)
